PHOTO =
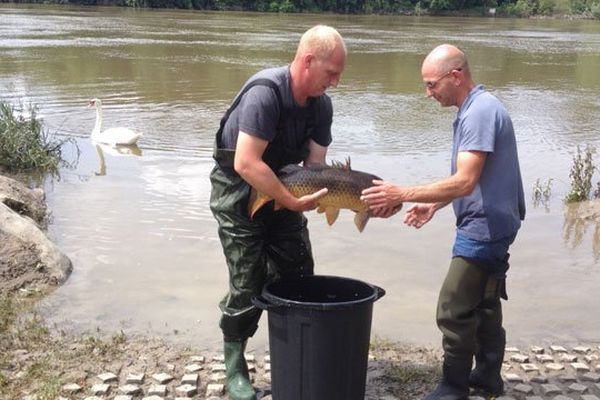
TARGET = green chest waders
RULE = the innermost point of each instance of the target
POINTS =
(274, 244)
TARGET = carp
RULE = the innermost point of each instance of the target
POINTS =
(344, 187)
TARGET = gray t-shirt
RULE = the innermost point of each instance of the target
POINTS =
(496, 207)
(259, 114)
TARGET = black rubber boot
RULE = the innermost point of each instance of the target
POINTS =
(238, 378)
(455, 381)
(486, 376)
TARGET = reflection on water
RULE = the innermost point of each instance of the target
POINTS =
(115, 151)
(139, 230)
(579, 218)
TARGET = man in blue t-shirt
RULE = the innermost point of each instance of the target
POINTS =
(280, 116)
(486, 192)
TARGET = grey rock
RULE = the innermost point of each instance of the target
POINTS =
(549, 389)
(190, 379)
(130, 389)
(554, 366)
(589, 397)
(100, 389)
(578, 387)
(157, 390)
(591, 376)
(217, 367)
(513, 377)
(214, 389)
(193, 368)
(186, 390)
(71, 388)
(578, 366)
(544, 358)
(108, 377)
(135, 379)
(537, 350)
(567, 378)
(558, 349)
(162, 378)
(523, 388)
(529, 367)
(582, 349)
(519, 358)
(539, 379)
(14, 226)
(568, 358)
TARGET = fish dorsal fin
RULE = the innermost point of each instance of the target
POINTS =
(360, 220)
(340, 165)
(256, 201)
(331, 213)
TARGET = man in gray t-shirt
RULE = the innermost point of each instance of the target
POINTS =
(486, 192)
(280, 116)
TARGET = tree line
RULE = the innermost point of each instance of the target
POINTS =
(521, 8)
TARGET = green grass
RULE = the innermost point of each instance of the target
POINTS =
(24, 143)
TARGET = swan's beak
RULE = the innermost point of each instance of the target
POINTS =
(92, 103)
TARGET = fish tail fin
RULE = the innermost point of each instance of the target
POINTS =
(256, 201)
(360, 220)
(331, 213)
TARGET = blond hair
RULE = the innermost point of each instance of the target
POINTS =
(322, 41)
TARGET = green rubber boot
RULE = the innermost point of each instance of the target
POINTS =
(236, 369)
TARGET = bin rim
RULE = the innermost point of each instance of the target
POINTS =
(270, 301)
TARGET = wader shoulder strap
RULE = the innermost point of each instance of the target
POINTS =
(225, 156)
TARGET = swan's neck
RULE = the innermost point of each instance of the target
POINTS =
(98, 125)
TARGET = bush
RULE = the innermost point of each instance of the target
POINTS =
(522, 8)
(25, 145)
(581, 174)
(579, 6)
(595, 9)
(546, 7)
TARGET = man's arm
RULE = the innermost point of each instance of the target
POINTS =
(316, 153)
(469, 165)
(249, 165)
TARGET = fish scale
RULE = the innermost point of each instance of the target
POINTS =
(344, 187)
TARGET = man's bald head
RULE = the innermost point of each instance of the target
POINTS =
(446, 57)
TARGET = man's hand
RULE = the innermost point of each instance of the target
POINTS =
(419, 214)
(384, 212)
(309, 201)
(382, 195)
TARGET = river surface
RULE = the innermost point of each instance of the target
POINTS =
(138, 228)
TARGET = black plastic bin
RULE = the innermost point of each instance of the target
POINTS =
(319, 332)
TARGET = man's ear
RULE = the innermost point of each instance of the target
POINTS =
(308, 59)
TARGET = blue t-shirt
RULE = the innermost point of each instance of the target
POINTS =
(494, 210)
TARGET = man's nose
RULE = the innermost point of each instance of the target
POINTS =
(334, 81)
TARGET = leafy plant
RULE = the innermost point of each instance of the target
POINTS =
(542, 192)
(581, 175)
(25, 144)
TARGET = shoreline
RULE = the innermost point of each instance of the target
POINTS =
(471, 13)
(39, 362)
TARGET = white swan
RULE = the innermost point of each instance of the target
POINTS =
(112, 136)
(114, 150)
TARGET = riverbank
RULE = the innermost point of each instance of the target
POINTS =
(40, 362)
(545, 9)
